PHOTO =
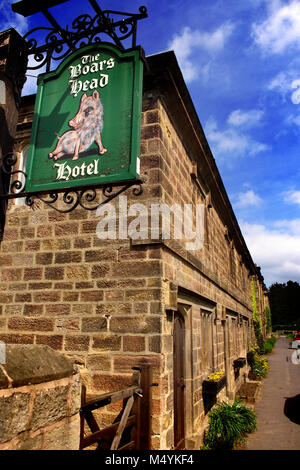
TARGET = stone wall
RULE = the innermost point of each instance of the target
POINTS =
(40, 393)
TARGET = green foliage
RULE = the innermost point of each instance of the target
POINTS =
(268, 319)
(257, 321)
(285, 305)
(228, 424)
(290, 336)
(269, 345)
(259, 337)
(254, 307)
(260, 367)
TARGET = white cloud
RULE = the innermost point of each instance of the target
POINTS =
(231, 143)
(293, 119)
(247, 199)
(240, 118)
(9, 19)
(282, 83)
(276, 248)
(296, 94)
(280, 30)
(292, 197)
(185, 43)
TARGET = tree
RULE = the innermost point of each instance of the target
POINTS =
(285, 303)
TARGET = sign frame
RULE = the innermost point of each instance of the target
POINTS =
(135, 56)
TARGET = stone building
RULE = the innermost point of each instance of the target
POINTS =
(114, 304)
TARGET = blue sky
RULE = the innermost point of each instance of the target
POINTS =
(241, 64)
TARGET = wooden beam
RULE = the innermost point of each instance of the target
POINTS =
(111, 397)
(121, 427)
(145, 408)
(106, 433)
(129, 446)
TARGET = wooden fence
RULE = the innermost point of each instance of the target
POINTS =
(132, 427)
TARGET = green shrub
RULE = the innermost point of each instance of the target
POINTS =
(259, 367)
(268, 318)
(290, 336)
(269, 345)
(228, 424)
(256, 321)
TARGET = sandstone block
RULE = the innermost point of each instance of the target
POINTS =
(143, 294)
(68, 324)
(23, 297)
(136, 269)
(77, 343)
(108, 383)
(44, 258)
(134, 343)
(124, 363)
(30, 324)
(54, 273)
(11, 274)
(33, 310)
(11, 338)
(140, 324)
(99, 270)
(70, 296)
(57, 309)
(107, 342)
(31, 274)
(91, 296)
(49, 406)
(93, 324)
(54, 341)
(75, 391)
(44, 231)
(14, 412)
(77, 272)
(68, 257)
(100, 255)
(99, 362)
(66, 229)
(27, 442)
(46, 296)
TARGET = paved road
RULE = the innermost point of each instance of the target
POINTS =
(275, 431)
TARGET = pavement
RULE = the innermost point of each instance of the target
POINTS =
(278, 404)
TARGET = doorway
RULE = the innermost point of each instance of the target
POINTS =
(179, 381)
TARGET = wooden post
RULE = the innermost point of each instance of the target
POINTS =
(122, 424)
(145, 409)
(83, 398)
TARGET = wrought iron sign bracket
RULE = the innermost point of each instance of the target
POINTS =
(83, 196)
(86, 29)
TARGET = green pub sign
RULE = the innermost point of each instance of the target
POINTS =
(87, 120)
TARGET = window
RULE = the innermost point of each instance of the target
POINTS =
(206, 327)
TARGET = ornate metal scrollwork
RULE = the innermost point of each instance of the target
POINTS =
(65, 200)
(16, 184)
(84, 197)
(59, 42)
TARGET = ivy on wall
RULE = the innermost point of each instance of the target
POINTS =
(268, 319)
(256, 321)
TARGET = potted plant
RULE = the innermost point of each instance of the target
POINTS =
(239, 362)
(214, 383)
(250, 356)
